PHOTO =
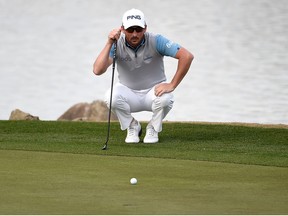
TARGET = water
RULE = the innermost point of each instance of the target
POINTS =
(239, 74)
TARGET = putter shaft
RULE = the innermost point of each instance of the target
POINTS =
(105, 147)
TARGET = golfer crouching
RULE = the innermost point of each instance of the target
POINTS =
(142, 81)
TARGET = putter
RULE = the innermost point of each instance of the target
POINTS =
(105, 147)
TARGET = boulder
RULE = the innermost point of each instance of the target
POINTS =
(20, 115)
(95, 111)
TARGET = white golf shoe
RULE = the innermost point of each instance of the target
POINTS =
(133, 132)
(151, 135)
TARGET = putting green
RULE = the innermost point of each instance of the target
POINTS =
(62, 183)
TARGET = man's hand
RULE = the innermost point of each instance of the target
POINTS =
(162, 88)
(114, 35)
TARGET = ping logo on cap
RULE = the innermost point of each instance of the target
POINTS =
(134, 17)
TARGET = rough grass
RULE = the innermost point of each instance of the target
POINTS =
(197, 141)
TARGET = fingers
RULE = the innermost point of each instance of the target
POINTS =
(114, 34)
(162, 88)
(158, 92)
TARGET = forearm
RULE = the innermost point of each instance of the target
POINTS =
(182, 69)
(184, 61)
(102, 62)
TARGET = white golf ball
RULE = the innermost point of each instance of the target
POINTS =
(133, 181)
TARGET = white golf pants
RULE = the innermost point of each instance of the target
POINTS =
(126, 101)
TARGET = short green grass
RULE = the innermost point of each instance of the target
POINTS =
(59, 168)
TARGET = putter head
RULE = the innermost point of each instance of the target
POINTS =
(105, 147)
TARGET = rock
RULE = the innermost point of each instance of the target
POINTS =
(20, 115)
(77, 111)
(96, 111)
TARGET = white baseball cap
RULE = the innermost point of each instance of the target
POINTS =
(133, 17)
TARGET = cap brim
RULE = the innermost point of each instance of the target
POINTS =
(133, 23)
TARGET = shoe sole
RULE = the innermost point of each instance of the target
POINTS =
(151, 142)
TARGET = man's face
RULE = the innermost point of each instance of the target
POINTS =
(134, 35)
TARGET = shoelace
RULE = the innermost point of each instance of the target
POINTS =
(151, 131)
(132, 131)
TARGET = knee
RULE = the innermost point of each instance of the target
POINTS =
(107, 98)
(117, 100)
(164, 101)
